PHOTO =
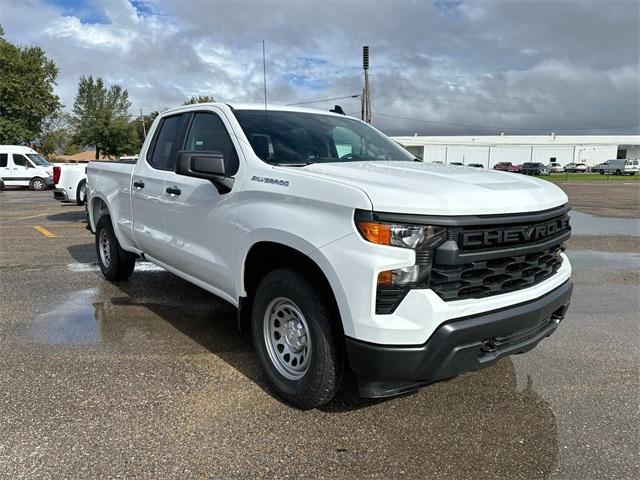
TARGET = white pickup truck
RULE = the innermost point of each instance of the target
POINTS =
(338, 248)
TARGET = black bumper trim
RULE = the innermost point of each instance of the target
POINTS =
(60, 194)
(457, 346)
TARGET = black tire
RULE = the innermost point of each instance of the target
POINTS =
(601, 172)
(81, 193)
(323, 375)
(1, 185)
(618, 172)
(118, 265)
(632, 173)
(37, 184)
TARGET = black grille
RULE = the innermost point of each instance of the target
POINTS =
(483, 278)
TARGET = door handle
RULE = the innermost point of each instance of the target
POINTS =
(174, 190)
(138, 184)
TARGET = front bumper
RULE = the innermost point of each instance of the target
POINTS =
(457, 346)
(60, 194)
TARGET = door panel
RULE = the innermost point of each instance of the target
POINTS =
(148, 196)
(201, 221)
(20, 174)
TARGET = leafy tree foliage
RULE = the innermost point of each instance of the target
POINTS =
(101, 118)
(27, 78)
(199, 99)
(55, 134)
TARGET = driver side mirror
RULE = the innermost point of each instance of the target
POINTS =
(208, 165)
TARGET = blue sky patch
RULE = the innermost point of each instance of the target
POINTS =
(85, 10)
(447, 7)
(301, 80)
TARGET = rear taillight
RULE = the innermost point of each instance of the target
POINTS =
(56, 175)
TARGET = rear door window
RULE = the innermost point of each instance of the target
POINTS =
(162, 155)
(3, 159)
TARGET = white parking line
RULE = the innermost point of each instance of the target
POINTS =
(94, 267)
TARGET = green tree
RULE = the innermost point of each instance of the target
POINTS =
(101, 117)
(55, 134)
(199, 99)
(27, 78)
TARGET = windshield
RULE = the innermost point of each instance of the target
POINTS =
(299, 138)
(38, 160)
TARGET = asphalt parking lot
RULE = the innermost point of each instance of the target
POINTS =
(150, 378)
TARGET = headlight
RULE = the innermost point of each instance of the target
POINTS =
(421, 238)
(399, 235)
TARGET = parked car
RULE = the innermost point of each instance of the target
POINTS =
(507, 167)
(24, 167)
(459, 164)
(555, 167)
(365, 259)
(575, 168)
(475, 165)
(629, 166)
(533, 168)
(70, 181)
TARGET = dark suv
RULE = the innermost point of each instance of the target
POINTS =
(530, 168)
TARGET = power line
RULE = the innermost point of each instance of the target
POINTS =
(493, 127)
(323, 100)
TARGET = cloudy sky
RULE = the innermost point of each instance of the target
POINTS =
(437, 66)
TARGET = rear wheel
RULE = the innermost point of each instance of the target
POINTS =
(81, 193)
(37, 183)
(115, 263)
(296, 337)
(618, 172)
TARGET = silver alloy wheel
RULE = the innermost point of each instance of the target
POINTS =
(105, 248)
(38, 184)
(286, 336)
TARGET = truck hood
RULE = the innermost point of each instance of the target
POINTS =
(433, 189)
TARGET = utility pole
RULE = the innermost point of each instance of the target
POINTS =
(366, 100)
(144, 127)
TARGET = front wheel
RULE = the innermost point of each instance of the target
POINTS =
(37, 184)
(115, 263)
(296, 336)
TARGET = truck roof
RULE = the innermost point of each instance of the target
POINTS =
(255, 106)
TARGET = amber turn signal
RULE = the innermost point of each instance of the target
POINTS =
(374, 232)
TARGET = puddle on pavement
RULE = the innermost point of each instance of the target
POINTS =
(70, 323)
(586, 224)
(86, 319)
(604, 260)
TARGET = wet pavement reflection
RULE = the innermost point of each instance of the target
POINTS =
(486, 423)
(586, 224)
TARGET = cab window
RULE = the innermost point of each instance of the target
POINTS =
(20, 160)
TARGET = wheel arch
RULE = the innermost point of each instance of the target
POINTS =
(265, 256)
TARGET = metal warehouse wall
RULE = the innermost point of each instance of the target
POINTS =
(593, 154)
(544, 153)
(518, 154)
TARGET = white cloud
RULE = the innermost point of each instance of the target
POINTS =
(532, 65)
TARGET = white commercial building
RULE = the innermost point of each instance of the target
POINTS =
(489, 150)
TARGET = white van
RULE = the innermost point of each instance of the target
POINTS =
(24, 167)
(619, 166)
